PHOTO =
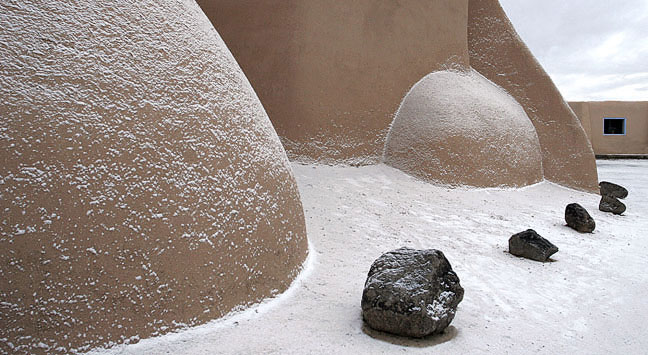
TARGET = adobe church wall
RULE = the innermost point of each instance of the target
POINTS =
(331, 74)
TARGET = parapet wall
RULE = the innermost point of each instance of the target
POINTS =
(635, 138)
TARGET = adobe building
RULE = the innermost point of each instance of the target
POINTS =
(333, 74)
(142, 186)
(615, 128)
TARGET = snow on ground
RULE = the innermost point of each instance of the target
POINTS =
(591, 299)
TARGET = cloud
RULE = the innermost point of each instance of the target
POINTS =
(584, 87)
(593, 50)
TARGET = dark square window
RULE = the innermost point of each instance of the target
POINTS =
(614, 126)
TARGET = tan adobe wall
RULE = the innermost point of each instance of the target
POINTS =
(499, 54)
(142, 186)
(581, 109)
(331, 74)
(635, 141)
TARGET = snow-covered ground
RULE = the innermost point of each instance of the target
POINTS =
(593, 299)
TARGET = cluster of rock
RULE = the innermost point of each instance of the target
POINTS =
(610, 195)
(415, 293)
(531, 245)
(577, 217)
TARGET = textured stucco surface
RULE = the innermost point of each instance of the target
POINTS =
(458, 128)
(497, 52)
(142, 186)
(635, 141)
(581, 109)
(331, 74)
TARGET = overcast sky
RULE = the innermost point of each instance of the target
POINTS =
(593, 49)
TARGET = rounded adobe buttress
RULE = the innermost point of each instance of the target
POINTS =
(142, 186)
(498, 53)
(458, 128)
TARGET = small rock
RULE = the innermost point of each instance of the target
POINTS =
(531, 245)
(611, 204)
(613, 190)
(578, 218)
(411, 292)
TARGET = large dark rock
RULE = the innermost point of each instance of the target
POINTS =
(411, 292)
(578, 218)
(613, 190)
(611, 204)
(531, 245)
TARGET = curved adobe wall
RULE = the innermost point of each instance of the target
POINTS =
(497, 52)
(458, 128)
(331, 74)
(142, 186)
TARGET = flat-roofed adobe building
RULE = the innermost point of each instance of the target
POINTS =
(615, 127)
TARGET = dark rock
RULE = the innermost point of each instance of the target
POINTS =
(578, 218)
(411, 292)
(611, 204)
(613, 190)
(531, 245)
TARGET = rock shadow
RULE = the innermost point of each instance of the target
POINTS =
(549, 260)
(428, 341)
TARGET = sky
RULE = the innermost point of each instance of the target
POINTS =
(594, 50)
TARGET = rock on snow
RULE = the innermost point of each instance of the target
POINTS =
(577, 218)
(614, 190)
(611, 204)
(529, 244)
(411, 292)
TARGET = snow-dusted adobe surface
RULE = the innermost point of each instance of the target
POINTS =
(459, 128)
(590, 300)
(142, 185)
